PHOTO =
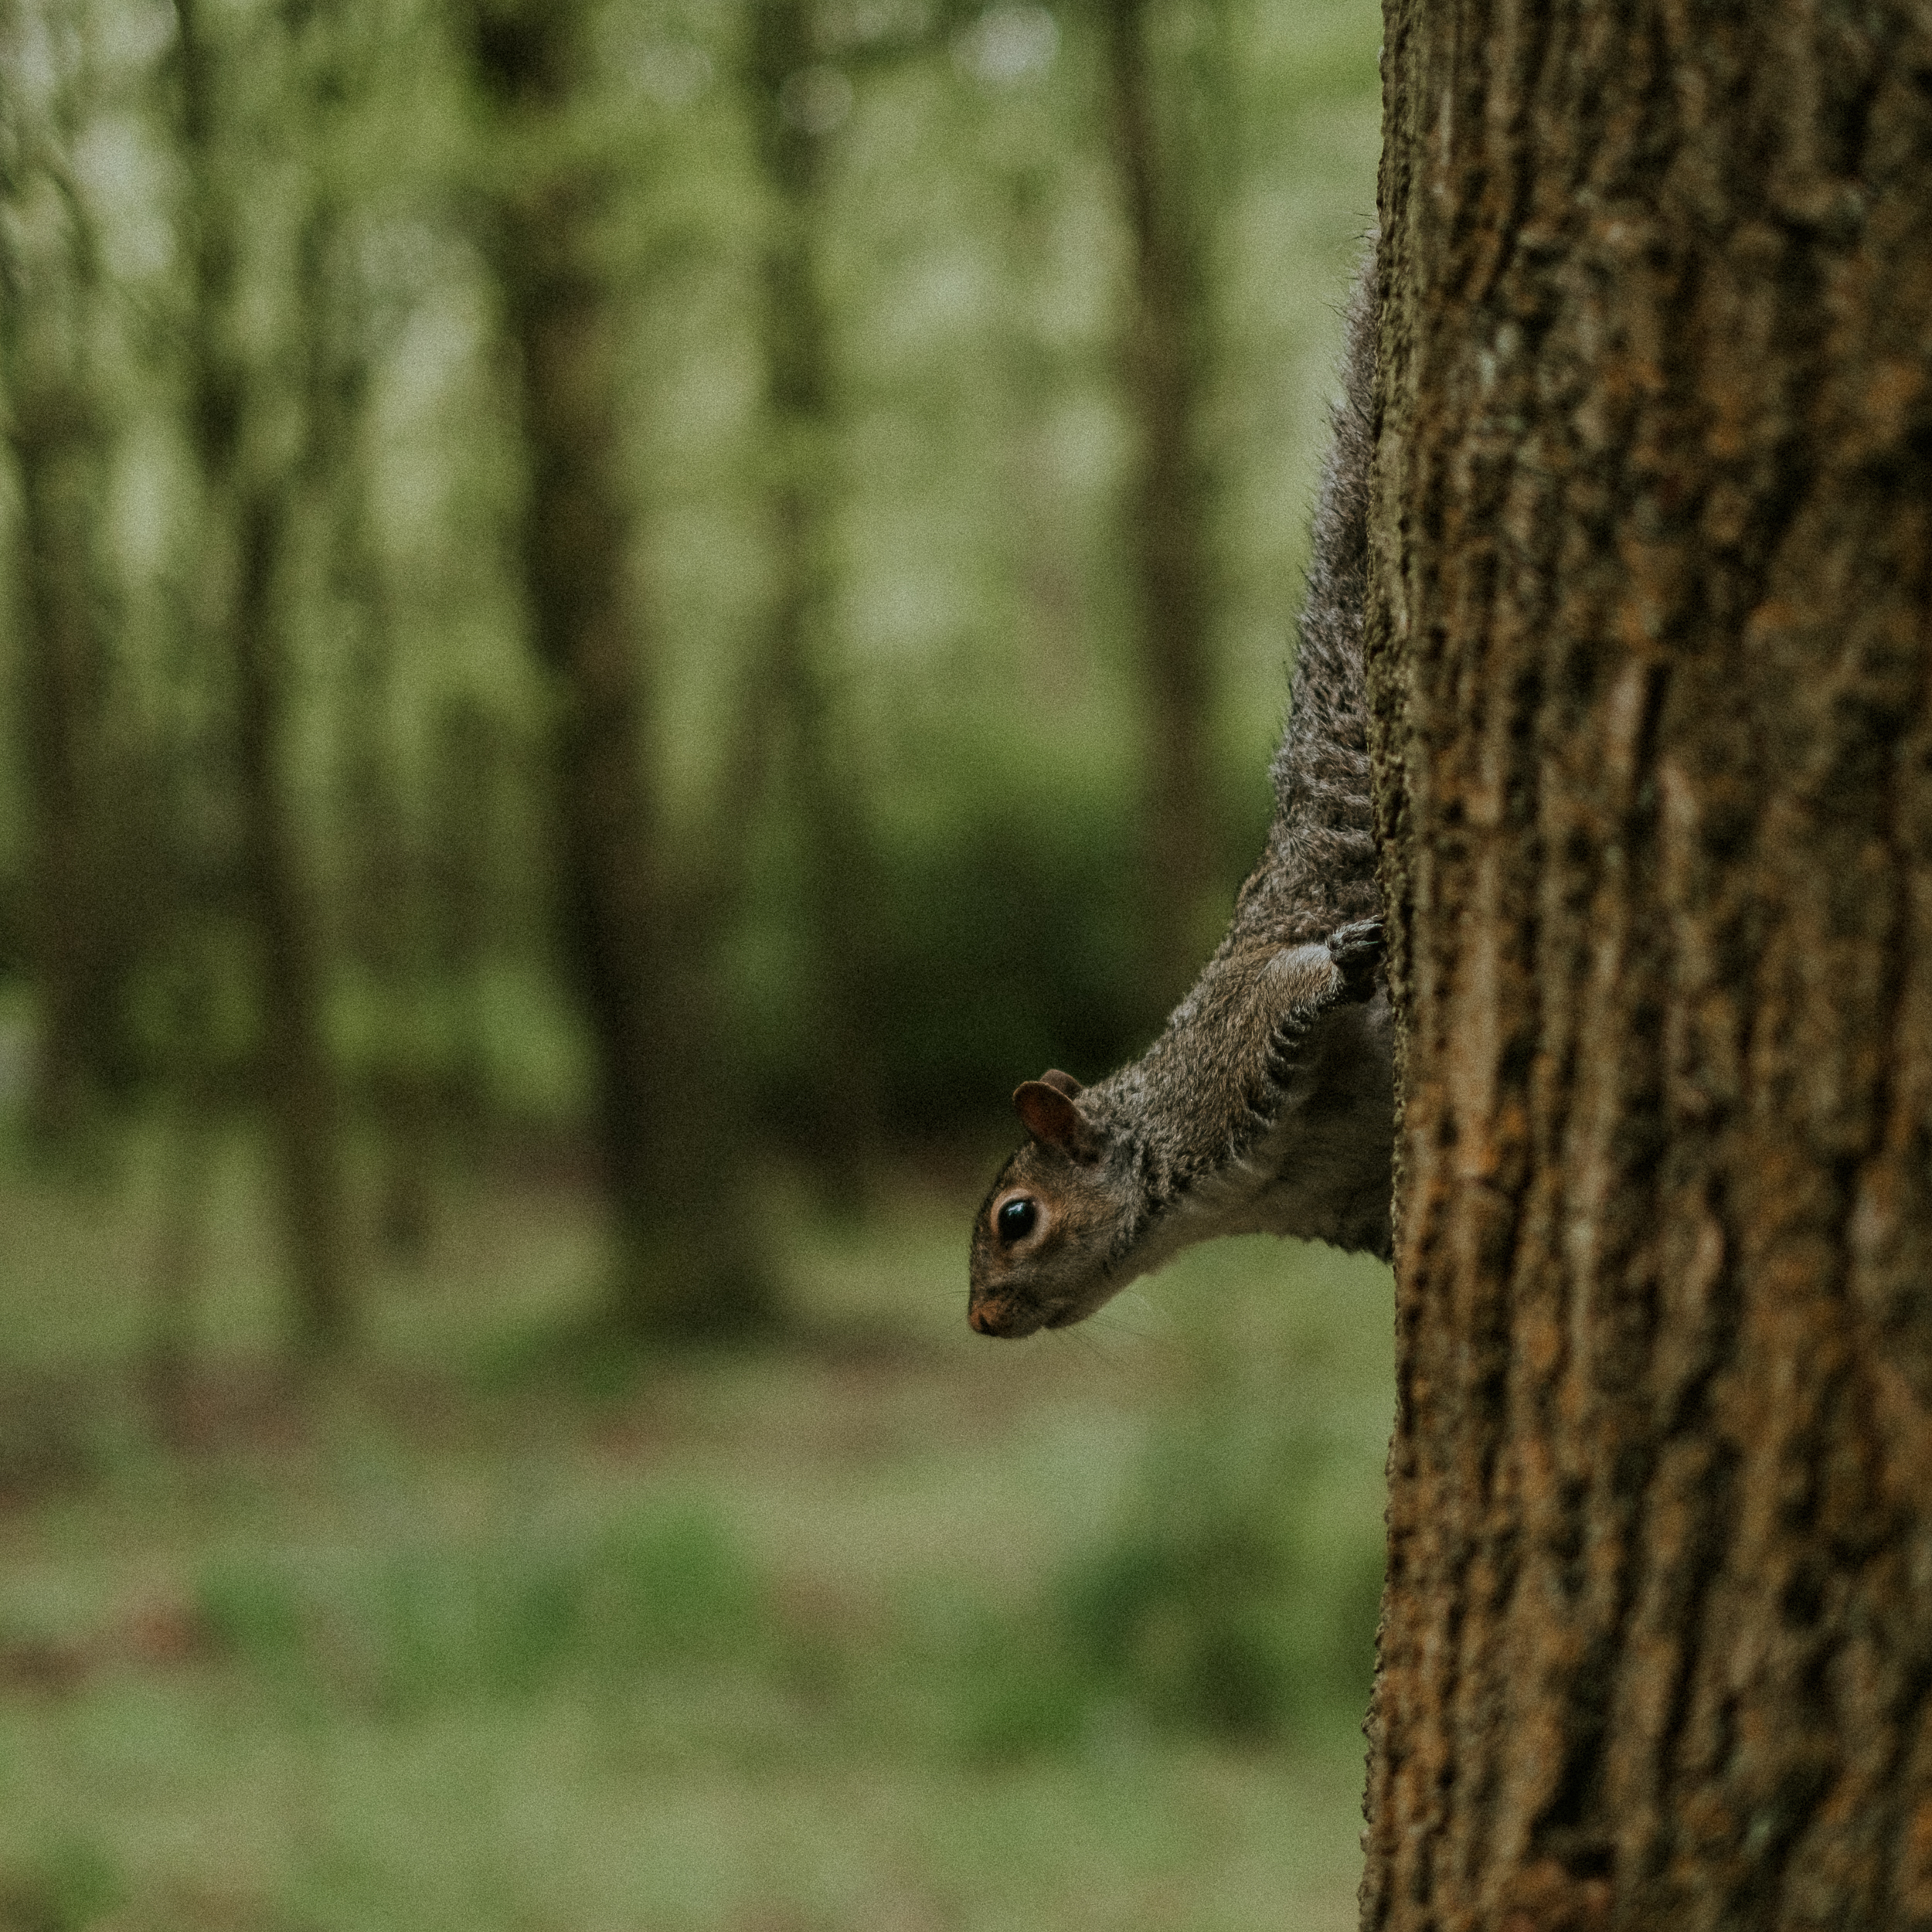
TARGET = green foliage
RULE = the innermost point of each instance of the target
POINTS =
(1210, 1605)
(1213, 1606)
(408, 1629)
(974, 645)
(1202, 1612)
(506, 1626)
(509, 1627)
(71, 1884)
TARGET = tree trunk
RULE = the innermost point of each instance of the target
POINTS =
(468, 908)
(304, 1106)
(383, 922)
(1165, 360)
(57, 460)
(685, 1264)
(1041, 528)
(58, 432)
(840, 898)
(1649, 654)
(249, 499)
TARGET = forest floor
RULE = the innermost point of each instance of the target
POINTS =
(885, 1629)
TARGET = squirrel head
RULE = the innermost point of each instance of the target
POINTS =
(1044, 1233)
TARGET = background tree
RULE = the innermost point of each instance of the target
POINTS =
(248, 449)
(799, 101)
(57, 414)
(858, 286)
(1165, 192)
(1651, 648)
(508, 1621)
(342, 585)
(685, 1262)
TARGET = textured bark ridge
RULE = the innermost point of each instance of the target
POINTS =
(1649, 646)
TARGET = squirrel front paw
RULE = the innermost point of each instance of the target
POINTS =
(1357, 950)
(1315, 980)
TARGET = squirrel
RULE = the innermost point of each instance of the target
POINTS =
(1268, 1103)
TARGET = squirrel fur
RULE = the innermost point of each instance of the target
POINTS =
(1266, 1105)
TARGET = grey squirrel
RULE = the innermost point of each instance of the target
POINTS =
(1268, 1103)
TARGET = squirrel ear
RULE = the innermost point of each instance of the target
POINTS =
(1052, 1120)
(1062, 1083)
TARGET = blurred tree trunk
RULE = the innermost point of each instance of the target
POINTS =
(1165, 360)
(672, 1146)
(179, 1261)
(842, 893)
(58, 432)
(1044, 535)
(250, 492)
(57, 456)
(196, 894)
(468, 761)
(386, 915)
(1652, 671)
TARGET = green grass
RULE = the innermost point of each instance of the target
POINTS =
(894, 1628)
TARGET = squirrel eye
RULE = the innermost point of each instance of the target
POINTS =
(1016, 1219)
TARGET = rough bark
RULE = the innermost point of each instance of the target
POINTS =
(685, 1264)
(1164, 368)
(1650, 649)
(249, 487)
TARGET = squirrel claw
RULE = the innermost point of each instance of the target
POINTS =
(1357, 951)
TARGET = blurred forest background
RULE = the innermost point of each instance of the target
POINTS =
(619, 616)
